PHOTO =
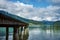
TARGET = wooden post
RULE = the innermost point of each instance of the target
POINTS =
(7, 33)
(15, 34)
(26, 34)
(21, 32)
(18, 33)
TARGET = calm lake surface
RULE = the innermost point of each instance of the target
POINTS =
(40, 34)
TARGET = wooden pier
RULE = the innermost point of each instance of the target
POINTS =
(8, 20)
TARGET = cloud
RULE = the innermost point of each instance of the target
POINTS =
(17, 8)
(36, 18)
(50, 13)
(54, 2)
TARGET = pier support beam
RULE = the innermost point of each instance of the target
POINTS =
(7, 31)
(15, 34)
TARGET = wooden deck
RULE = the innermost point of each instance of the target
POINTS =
(8, 21)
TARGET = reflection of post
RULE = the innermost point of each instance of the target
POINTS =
(17, 37)
(7, 33)
(20, 33)
(26, 33)
(23, 33)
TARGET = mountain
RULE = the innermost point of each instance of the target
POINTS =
(48, 22)
(40, 22)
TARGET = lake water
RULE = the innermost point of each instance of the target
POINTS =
(40, 34)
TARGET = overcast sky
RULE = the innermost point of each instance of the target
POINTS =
(39, 10)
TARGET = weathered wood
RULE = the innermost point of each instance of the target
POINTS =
(9, 25)
(18, 34)
(4, 21)
(15, 34)
(10, 21)
(7, 31)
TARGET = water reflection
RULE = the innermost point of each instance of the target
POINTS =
(22, 35)
(40, 34)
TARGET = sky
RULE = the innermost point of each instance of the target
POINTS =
(38, 10)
